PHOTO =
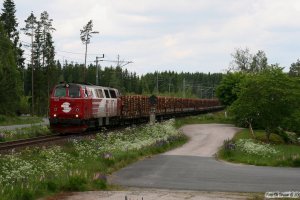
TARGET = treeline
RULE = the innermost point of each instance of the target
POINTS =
(168, 83)
(262, 96)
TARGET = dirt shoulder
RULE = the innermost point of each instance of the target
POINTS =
(154, 194)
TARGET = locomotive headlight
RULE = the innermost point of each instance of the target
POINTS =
(54, 115)
(76, 116)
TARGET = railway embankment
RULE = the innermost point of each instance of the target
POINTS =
(82, 164)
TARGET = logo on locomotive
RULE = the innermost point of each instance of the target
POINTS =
(66, 107)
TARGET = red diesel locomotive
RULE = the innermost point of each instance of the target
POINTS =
(77, 107)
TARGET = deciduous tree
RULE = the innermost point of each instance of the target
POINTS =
(265, 99)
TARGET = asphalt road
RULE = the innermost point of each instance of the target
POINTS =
(182, 170)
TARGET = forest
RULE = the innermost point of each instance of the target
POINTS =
(25, 88)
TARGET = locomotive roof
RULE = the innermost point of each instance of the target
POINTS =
(88, 85)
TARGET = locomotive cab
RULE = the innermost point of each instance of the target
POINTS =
(76, 107)
(66, 111)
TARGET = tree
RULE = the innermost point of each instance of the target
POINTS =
(10, 25)
(295, 69)
(10, 87)
(48, 52)
(265, 99)
(259, 62)
(9, 20)
(47, 28)
(244, 61)
(241, 59)
(229, 87)
(29, 29)
(85, 36)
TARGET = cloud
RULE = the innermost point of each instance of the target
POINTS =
(188, 35)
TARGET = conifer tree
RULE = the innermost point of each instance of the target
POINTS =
(10, 25)
(29, 29)
(10, 87)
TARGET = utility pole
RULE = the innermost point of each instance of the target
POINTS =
(97, 83)
(170, 84)
(157, 82)
(118, 61)
(183, 88)
(32, 88)
(169, 87)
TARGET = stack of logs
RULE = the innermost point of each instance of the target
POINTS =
(136, 106)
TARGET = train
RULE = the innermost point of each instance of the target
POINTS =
(76, 107)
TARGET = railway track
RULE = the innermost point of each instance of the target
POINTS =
(4, 146)
(30, 141)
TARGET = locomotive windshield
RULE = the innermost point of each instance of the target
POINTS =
(73, 90)
(60, 91)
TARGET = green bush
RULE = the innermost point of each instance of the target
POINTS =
(2, 118)
(292, 123)
(100, 184)
(24, 107)
(296, 162)
(51, 186)
(76, 183)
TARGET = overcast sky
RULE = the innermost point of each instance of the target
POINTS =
(180, 35)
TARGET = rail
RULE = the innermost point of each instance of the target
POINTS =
(30, 141)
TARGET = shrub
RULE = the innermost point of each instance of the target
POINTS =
(76, 183)
(296, 162)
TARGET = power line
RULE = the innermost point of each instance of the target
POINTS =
(70, 52)
(97, 60)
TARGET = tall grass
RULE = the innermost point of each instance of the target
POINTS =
(23, 133)
(258, 152)
(81, 164)
(12, 120)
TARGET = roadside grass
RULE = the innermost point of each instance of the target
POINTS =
(216, 117)
(277, 153)
(14, 120)
(24, 133)
(82, 164)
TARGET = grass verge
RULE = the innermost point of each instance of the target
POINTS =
(217, 117)
(82, 164)
(24, 133)
(243, 149)
(14, 120)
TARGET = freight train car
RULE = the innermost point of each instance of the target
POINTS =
(77, 107)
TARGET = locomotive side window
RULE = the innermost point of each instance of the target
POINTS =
(112, 94)
(94, 93)
(74, 91)
(60, 91)
(100, 93)
(106, 94)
